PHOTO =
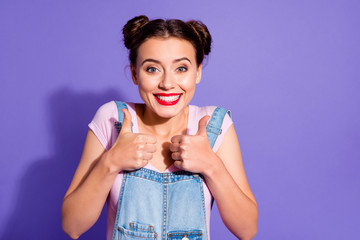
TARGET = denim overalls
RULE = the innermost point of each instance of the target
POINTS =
(164, 206)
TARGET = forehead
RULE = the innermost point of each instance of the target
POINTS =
(166, 49)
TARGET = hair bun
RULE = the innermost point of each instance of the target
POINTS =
(203, 34)
(132, 28)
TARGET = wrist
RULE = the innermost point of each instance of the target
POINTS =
(107, 164)
(215, 166)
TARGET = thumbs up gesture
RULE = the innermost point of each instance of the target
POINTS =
(131, 151)
(192, 153)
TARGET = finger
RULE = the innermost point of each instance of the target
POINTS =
(176, 139)
(175, 147)
(150, 139)
(176, 156)
(150, 148)
(202, 126)
(178, 164)
(126, 126)
(147, 156)
(143, 163)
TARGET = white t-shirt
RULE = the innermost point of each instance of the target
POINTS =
(103, 127)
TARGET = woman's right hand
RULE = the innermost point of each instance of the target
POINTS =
(131, 151)
(96, 173)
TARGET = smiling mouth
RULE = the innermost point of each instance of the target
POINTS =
(167, 99)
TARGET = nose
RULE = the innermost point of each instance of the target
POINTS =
(167, 82)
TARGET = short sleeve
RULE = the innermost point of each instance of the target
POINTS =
(102, 124)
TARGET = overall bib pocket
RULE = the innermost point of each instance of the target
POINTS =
(185, 235)
(137, 231)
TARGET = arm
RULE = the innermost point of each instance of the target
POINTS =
(88, 190)
(229, 186)
(224, 174)
(96, 173)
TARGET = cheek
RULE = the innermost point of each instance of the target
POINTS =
(189, 82)
(146, 84)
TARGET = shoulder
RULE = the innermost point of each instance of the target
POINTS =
(199, 112)
(103, 123)
(107, 109)
(204, 110)
(222, 120)
(110, 109)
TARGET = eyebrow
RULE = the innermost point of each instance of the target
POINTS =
(157, 61)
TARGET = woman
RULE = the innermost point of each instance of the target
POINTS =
(163, 166)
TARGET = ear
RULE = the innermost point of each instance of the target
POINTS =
(133, 74)
(198, 74)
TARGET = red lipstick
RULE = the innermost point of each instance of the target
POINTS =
(167, 99)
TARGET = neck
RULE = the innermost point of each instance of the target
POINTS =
(162, 127)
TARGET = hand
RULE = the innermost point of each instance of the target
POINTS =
(193, 153)
(131, 151)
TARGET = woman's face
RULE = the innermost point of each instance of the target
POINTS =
(166, 73)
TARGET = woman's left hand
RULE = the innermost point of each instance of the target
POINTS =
(224, 175)
(193, 153)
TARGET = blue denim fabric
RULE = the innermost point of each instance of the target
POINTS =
(167, 206)
(213, 128)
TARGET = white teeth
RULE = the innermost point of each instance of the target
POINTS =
(168, 98)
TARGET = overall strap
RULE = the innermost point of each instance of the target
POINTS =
(118, 124)
(213, 128)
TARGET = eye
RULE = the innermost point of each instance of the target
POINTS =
(181, 69)
(152, 69)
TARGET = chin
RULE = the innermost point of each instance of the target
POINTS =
(168, 113)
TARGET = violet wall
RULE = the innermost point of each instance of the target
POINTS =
(288, 70)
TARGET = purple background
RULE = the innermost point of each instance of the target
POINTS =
(288, 70)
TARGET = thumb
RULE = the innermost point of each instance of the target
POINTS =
(126, 126)
(202, 126)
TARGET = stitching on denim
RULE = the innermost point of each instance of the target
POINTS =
(119, 205)
(182, 172)
(162, 177)
(143, 227)
(161, 182)
(164, 211)
(185, 176)
(213, 129)
(133, 235)
(203, 205)
(188, 233)
(216, 121)
(211, 136)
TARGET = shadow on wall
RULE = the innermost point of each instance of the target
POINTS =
(37, 213)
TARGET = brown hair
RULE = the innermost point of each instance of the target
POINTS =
(140, 28)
